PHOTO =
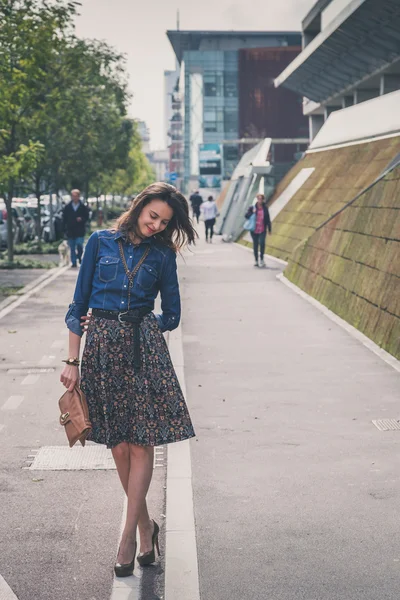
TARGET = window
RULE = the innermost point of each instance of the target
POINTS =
(230, 85)
(212, 84)
(230, 120)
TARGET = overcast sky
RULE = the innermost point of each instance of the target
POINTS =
(137, 28)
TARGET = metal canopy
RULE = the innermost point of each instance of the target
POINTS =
(364, 43)
(182, 41)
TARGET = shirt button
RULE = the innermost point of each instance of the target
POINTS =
(124, 285)
(122, 302)
(130, 257)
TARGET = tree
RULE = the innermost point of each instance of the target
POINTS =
(31, 31)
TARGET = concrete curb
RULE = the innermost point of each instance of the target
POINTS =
(6, 592)
(355, 333)
(181, 564)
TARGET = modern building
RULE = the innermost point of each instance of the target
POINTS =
(144, 133)
(351, 54)
(218, 97)
(171, 79)
(159, 160)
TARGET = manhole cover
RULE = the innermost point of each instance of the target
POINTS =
(387, 424)
(63, 458)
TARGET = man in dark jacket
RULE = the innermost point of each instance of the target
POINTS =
(75, 217)
(196, 201)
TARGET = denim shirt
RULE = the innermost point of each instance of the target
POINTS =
(102, 282)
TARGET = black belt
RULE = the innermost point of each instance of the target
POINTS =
(135, 317)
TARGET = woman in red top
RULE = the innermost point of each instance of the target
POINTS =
(263, 222)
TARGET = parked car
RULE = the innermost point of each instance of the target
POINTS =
(19, 218)
(57, 222)
(29, 217)
(3, 226)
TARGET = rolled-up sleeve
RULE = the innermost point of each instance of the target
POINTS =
(170, 297)
(83, 289)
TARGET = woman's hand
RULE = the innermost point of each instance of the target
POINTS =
(85, 320)
(70, 377)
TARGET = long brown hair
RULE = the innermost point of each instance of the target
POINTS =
(179, 231)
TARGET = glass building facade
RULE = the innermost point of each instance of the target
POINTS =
(211, 106)
(209, 84)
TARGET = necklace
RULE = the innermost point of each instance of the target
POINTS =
(131, 274)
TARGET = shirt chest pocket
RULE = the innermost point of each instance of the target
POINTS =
(147, 277)
(108, 268)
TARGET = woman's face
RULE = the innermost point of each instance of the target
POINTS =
(260, 200)
(154, 218)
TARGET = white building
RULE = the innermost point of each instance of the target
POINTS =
(351, 54)
(159, 160)
(170, 81)
(144, 133)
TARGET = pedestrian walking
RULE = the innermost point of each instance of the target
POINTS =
(75, 217)
(262, 222)
(196, 201)
(133, 395)
(210, 212)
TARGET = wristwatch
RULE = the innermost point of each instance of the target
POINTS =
(75, 362)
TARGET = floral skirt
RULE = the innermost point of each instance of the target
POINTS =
(146, 408)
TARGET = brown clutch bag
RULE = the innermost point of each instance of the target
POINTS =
(75, 416)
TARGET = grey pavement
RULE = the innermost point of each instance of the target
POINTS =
(296, 492)
(58, 529)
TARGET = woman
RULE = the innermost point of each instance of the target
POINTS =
(263, 222)
(134, 398)
(210, 212)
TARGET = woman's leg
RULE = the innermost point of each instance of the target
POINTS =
(122, 459)
(255, 237)
(140, 473)
(262, 244)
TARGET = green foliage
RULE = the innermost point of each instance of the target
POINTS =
(63, 105)
(8, 290)
(33, 247)
(25, 263)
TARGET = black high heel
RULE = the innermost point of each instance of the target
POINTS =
(149, 557)
(125, 570)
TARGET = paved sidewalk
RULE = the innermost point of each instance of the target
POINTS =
(296, 492)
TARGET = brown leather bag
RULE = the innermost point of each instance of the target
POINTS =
(75, 416)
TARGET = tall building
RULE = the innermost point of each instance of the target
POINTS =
(144, 133)
(171, 79)
(159, 160)
(213, 87)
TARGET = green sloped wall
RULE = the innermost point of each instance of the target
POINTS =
(352, 264)
(340, 174)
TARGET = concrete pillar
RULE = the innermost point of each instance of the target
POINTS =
(347, 101)
(308, 37)
(363, 95)
(315, 124)
(389, 83)
(330, 109)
